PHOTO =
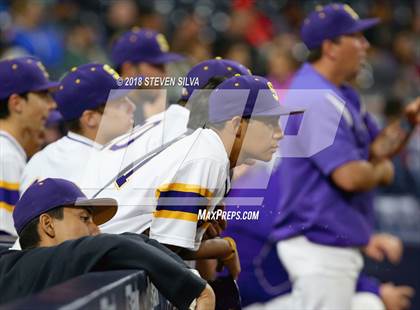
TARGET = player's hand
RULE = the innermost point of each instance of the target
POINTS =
(231, 261)
(388, 172)
(241, 170)
(215, 229)
(412, 112)
(384, 245)
(217, 226)
(393, 137)
(233, 265)
(206, 300)
(388, 142)
(396, 297)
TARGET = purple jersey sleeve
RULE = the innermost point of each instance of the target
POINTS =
(342, 150)
(372, 126)
(367, 284)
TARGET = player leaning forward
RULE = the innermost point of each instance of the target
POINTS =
(163, 194)
(159, 128)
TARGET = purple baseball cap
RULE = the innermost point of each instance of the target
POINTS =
(246, 96)
(45, 195)
(208, 69)
(87, 87)
(142, 45)
(22, 75)
(332, 21)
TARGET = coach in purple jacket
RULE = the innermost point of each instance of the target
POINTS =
(326, 194)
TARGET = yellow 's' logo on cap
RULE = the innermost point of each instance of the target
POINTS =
(108, 69)
(350, 11)
(163, 44)
(42, 68)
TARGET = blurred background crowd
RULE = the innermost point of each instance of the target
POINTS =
(262, 35)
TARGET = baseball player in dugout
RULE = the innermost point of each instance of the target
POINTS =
(192, 174)
(326, 200)
(25, 102)
(142, 54)
(96, 110)
(161, 128)
(57, 226)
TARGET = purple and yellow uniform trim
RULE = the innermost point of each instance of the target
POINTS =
(181, 192)
(9, 195)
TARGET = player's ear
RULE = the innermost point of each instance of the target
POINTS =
(15, 104)
(235, 123)
(46, 225)
(90, 119)
(329, 49)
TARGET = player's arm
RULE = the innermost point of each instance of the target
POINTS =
(182, 199)
(354, 173)
(175, 281)
(394, 137)
(396, 297)
(224, 250)
(345, 161)
(363, 175)
(9, 192)
(175, 220)
(156, 244)
(206, 300)
(118, 252)
(383, 246)
(9, 187)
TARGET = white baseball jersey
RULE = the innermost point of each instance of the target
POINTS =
(66, 158)
(12, 162)
(166, 191)
(123, 150)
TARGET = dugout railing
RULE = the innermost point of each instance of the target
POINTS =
(111, 290)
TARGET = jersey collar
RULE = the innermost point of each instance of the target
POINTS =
(154, 118)
(83, 140)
